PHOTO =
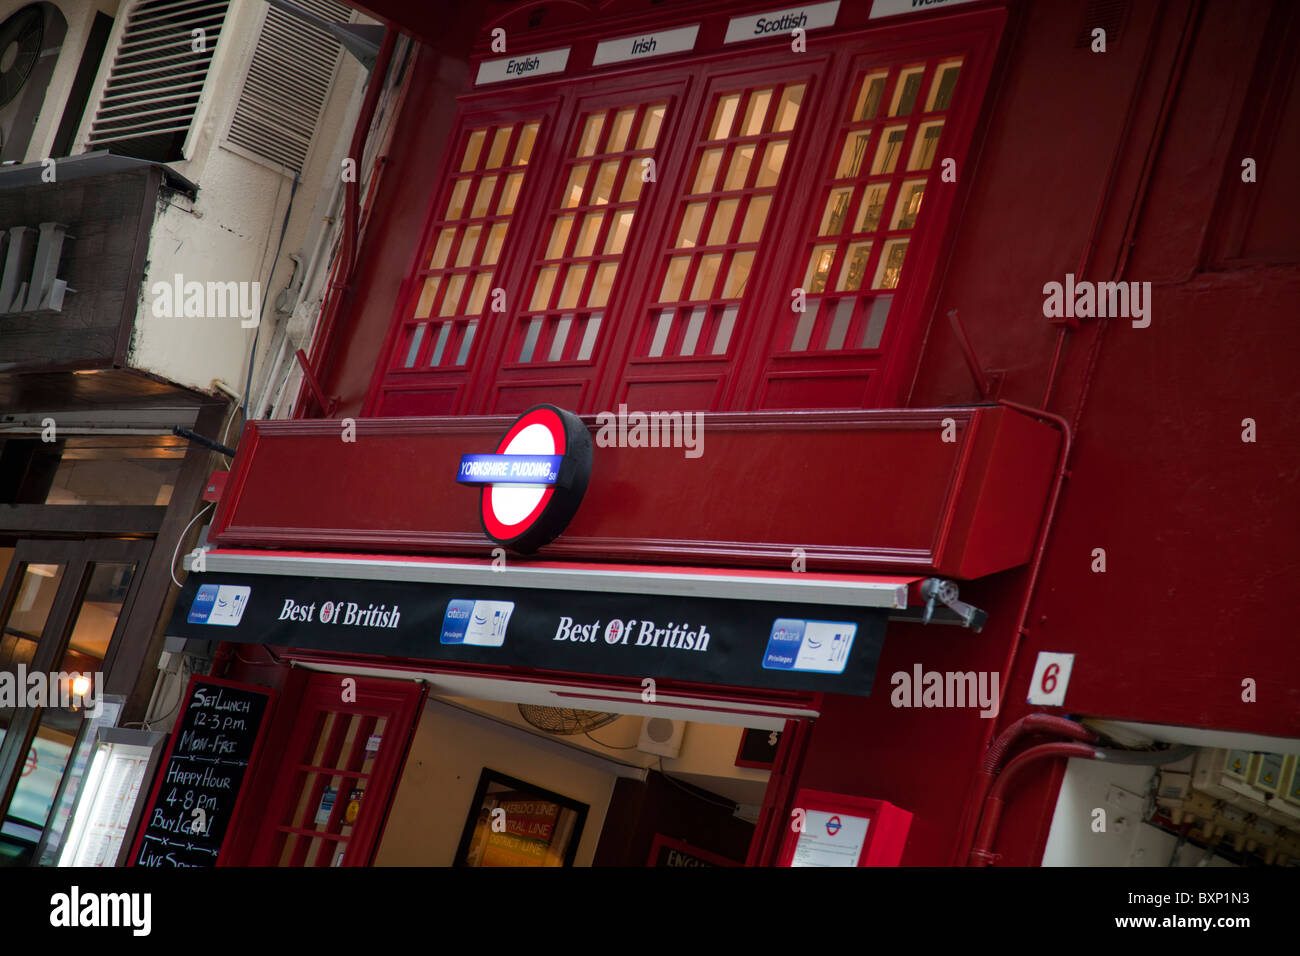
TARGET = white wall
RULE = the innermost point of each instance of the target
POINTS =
(1072, 841)
(450, 750)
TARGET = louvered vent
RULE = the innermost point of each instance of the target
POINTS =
(286, 85)
(157, 77)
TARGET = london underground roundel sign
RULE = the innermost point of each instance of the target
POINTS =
(533, 484)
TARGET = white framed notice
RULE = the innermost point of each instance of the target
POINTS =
(121, 762)
(830, 839)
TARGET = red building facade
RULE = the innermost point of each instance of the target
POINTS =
(837, 244)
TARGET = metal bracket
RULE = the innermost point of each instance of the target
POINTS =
(945, 593)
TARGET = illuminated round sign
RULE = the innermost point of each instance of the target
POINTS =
(533, 484)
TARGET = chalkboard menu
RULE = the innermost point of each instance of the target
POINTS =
(198, 788)
(758, 749)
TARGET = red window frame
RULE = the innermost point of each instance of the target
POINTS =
(758, 366)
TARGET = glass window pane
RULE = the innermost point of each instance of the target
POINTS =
(651, 123)
(590, 138)
(723, 337)
(724, 115)
(891, 264)
(559, 237)
(495, 240)
(854, 268)
(441, 248)
(456, 204)
(572, 287)
(710, 159)
(908, 205)
(632, 183)
(692, 219)
(561, 336)
(468, 246)
(483, 198)
(598, 297)
(756, 112)
(97, 617)
(836, 211)
(451, 298)
(706, 276)
(115, 470)
(724, 216)
(925, 146)
(530, 339)
(941, 87)
(589, 338)
(575, 186)
(742, 157)
(542, 289)
(478, 293)
(619, 228)
(770, 169)
(497, 154)
(673, 279)
(752, 228)
(692, 337)
(524, 147)
(619, 130)
(872, 205)
(839, 325)
(738, 275)
(804, 326)
(466, 341)
(603, 190)
(440, 345)
(427, 295)
(876, 322)
(417, 339)
(905, 91)
(869, 95)
(509, 194)
(819, 268)
(36, 589)
(663, 326)
(586, 244)
(855, 147)
(473, 146)
(787, 110)
(887, 151)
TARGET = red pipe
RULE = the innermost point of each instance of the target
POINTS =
(982, 853)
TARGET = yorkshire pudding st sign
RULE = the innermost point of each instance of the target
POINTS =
(533, 483)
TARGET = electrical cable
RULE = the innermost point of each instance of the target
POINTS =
(687, 788)
(182, 678)
(609, 746)
(171, 569)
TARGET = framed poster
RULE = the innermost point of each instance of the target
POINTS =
(514, 823)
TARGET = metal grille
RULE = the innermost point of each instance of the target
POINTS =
(157, 76)
(287, 83)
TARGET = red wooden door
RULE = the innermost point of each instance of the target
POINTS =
(339, 768)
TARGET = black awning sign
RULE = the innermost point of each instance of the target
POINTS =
(708, 640)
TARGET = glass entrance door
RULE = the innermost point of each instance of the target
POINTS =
(60, 605)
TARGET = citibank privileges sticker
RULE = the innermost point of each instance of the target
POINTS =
(533, 484)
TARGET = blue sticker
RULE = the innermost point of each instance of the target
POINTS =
(456, 621)
(783, 644)
(816, 646)
(203, 602)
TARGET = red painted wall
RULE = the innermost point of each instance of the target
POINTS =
(1126, 163)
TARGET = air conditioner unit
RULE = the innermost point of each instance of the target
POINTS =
(661, 736)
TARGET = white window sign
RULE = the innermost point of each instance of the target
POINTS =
(524, 66)
(830, 839)
(892, 8)
(781, 22)
(642, 46)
